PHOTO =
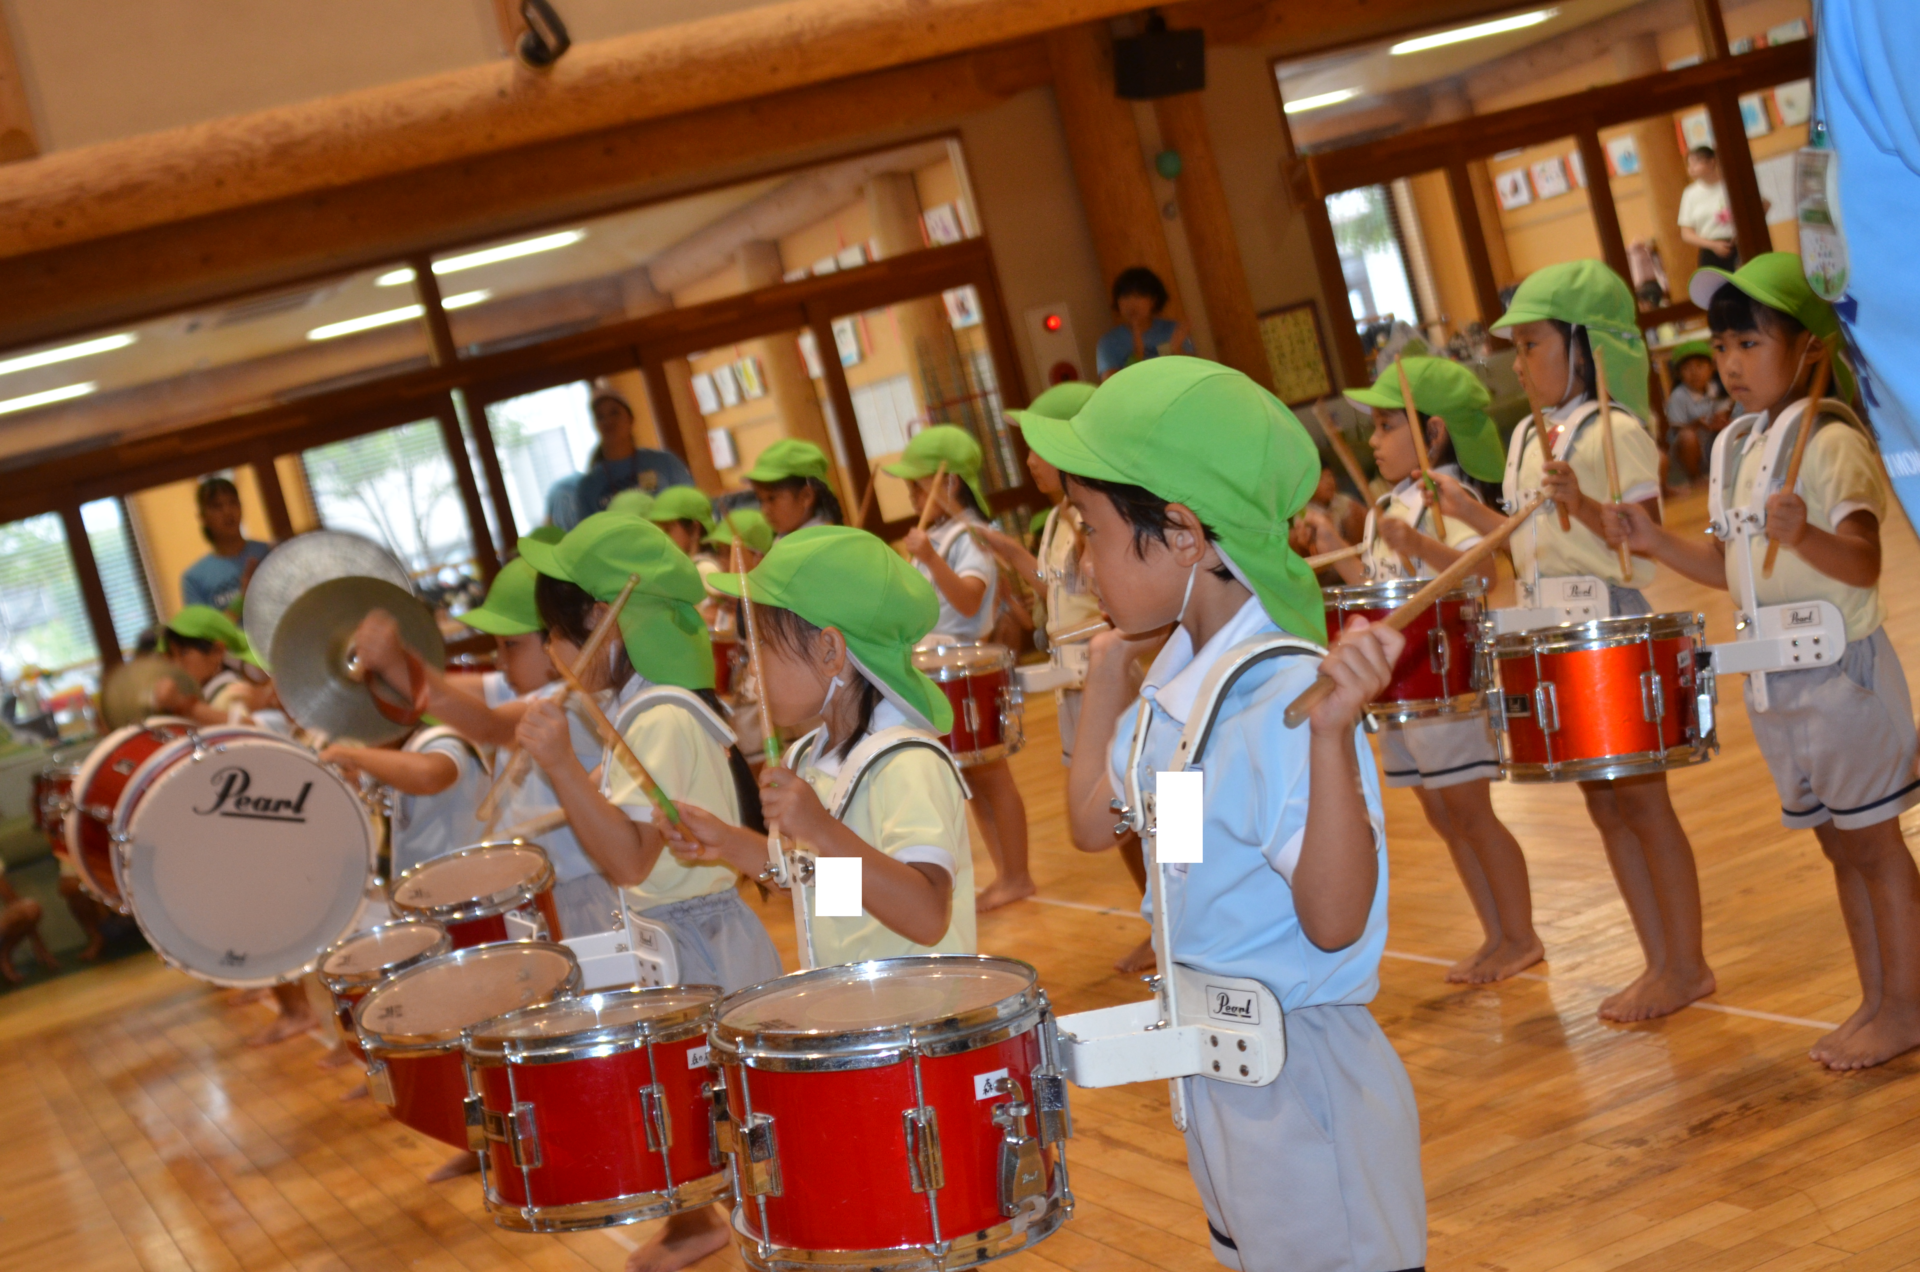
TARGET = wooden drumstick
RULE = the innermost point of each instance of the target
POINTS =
(866, 501)
(1338, 554)
(1417, 604)
(934, 493)
(621, 751)
(1546, 451)
(516, 772)
(1613, 462)
(1344, 453)
(1821, 371)
(1420, 449)
(771, 738)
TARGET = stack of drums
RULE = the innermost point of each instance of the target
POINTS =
(351, 968)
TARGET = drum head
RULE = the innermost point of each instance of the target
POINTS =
(488, 874)
(948, 662)
(617, 1009)
(382, 947)
(881, 995)
(436, 1001)
(245, 861)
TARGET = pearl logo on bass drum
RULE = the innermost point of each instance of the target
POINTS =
(233, 797)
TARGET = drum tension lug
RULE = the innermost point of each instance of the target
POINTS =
(1023, 1171)
(379, 1083)
(926, 1169)
(514, 1129)
(653, 1111)
(1050, 1095)
(760, 1162)
(720, 1118)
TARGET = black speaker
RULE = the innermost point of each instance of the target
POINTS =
(1159, 62)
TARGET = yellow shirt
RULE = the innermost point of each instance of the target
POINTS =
(1541, 545)
(1839, 476)
(1407, 504)
(692, 769)
(910, 806)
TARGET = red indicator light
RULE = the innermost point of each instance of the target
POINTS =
(1052, 322)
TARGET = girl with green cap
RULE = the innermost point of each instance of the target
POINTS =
(790, 480)
(839, 614)
(1185, 474)
(1561, 320)
(1696, 410)
(207, 645)
(1838, 739)
(966, 581)
(1450, 761)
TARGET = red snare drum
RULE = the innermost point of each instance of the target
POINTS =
(1611, 698)
(1434, 674)
(596, 1110)
(97, 786)
(413, 1025)
(906, 1113)
(471, 891)
(354, 966)
(988, 709)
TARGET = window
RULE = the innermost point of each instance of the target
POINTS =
(1379, 289)
(43, 620)
(541, 437)
(117, 558)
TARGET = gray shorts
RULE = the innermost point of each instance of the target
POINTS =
(586, 904)
(1319, 1171)
(1439, 751)
(1839, 740)
(719, 941)
(1626, 602)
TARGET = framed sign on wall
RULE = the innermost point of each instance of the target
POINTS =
(1296, 354)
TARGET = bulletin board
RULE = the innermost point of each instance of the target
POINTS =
(1296, 354)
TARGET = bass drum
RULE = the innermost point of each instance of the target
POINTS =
(97, 787)
(243, 856)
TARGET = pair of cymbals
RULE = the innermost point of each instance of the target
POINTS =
(126, 692)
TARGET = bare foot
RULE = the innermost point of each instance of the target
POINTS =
(461, 1163)
(684, 1239)
(242, 997)
(1824, 1048)
(8, 972)
(1890, 1033)
(1461, 973)
(45, 955)
(1509, 958)
(282, 1029)
(357, 1093)
(1656, 995)
(1138, 959)
(336, 1057)
(1002, 892)
(95, 946)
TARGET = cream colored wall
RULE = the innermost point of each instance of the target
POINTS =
(166, 524)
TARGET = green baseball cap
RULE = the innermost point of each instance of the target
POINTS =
(203, 622)
(790, 457)
(1061, 402)
(754, 528)
(1776, 280)
(1689, 349)
(942, 442)
(840, 577)
(1587, 294)
(1204, 435)
(665, 636)
(509, 609)
(1443, 387)
(634, 502)
(683, 503)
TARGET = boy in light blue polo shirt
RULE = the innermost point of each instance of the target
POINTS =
(1185, 474)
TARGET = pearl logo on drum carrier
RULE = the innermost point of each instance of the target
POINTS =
(1230, 1004)
(233, 797)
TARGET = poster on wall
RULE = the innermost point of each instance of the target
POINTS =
(1794, 102)
(705, 396)
(720, 442)
(1753, 115)
(1295, 354)
(963, 307)
(752, 383)
(728, 383)
(852, 256)
(942, 225)
(1623, 156)
(1787, 32)
(810, 354)
(1577, 165)
(1696, 129)
(1550, 178)
(846, 341)
(1513, 189)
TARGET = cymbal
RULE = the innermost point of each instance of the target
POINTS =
(313, 643)
(126, 694)
(318, 556)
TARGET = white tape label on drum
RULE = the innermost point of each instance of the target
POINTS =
(697, 1058)
(1179, 813)
(836, 887)
(987, 1085)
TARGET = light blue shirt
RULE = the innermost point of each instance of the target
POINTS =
(214, 580)
(534, 798)
(1233, 913)
(1115, 348)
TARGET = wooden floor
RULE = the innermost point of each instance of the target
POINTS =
(140, 1133)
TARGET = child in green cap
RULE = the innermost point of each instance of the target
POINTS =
(1696, 409)
(1450, 761)
(838, 614)
(1562, 318)
(1185, 474)
(685, 514)
(965, 579)
(790, 479)
(1838, 739)
(207, 645)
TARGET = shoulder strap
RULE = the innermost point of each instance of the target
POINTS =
(425, 738)
(1220, 681)
(1719, 478)
(875, 747)
(687, 700)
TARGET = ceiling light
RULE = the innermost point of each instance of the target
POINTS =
(51, 396)
(1321, 99)
(1499, 26)
(387, 317)
(47, 357)
(487, 256)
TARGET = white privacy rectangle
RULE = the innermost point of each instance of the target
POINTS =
(1179, 809)
(836, 887)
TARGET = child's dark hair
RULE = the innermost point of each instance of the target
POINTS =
(825, 503)
(566, 608)
(174, 641)
(1733, 310)
(1441, 452)
(1145, 511)
(1138, 280)
(1579, 353)
(795, 634)
(1702, 152)
(212, 488)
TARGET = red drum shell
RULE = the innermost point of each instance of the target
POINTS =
(103, 778)
(978, 681)
(1434, 674)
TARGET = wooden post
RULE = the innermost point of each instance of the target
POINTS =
(1712, 29)
(1736, 169)
(99, 614)
(16, 110)
(456, 444)
(496, 477)
(842, 420)
(268, 479)
(439, 331)
(682, 427)
(1606, 217)
(1216, 246)
(1473, 237)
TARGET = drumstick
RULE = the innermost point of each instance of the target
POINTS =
(516, 772)
(540, 825)
(1613, 462)
(1344, 453)
(1338, 554)
(933, 499)
(1546, 451)
(1084, 632)
(1417, 604)
(1821, 370)
(772, 736)
(866, 500)
(1420, 449)
(621, 751)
